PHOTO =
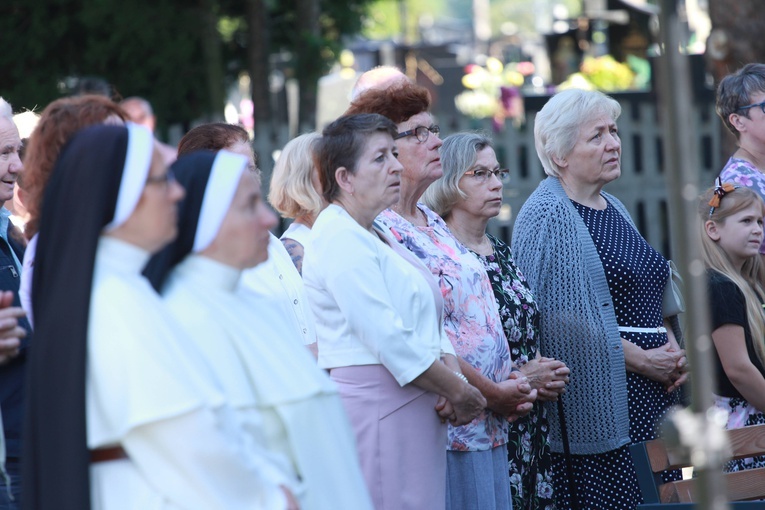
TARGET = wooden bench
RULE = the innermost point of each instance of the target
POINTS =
(653, 457)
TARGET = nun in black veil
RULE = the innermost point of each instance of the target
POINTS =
(119, 415)
(259, 361)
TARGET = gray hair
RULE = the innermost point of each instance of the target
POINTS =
(459, 153)
(291, 191)
(736, 90)
(6, 111)
(557, 125)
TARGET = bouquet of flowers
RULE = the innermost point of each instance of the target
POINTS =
(493, 91)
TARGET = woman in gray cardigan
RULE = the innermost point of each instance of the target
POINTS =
(599, 286)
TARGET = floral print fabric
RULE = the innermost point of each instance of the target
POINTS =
(528, 448)
(471, 319)
(742, 173)
(741, 414)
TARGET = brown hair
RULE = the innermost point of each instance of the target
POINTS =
(736, 90)
(398, 103)
(60, 120)
(341, 145)
(212, 137)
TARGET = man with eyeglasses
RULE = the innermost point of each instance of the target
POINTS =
(741, 106)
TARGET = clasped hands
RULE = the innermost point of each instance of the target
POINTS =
(548, 376)
(539, 379)
(10, 331)
(462, 409)
(511, 398)
(668, 366)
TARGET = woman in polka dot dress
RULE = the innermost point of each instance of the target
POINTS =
(599, 286)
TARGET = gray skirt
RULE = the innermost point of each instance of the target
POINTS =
(478, 480)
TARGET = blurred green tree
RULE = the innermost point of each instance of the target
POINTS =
(306, 35)
(151, 48)
(179, 54)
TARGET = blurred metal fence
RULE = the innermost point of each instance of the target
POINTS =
(641, 187)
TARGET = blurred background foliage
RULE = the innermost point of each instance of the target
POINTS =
(180, 54)
(142, 47)
(186, 55)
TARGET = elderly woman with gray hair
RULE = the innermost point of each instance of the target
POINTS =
(467, 196)
(599, 285)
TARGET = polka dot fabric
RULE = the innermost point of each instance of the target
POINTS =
(636, 276)
(602, 481)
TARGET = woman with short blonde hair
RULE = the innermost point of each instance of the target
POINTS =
(293, 190)
(295, 193)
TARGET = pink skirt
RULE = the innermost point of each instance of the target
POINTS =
(400, 438)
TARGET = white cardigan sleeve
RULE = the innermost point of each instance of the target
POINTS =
(353, 276)
(446, 344)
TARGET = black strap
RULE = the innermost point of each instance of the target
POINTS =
(567, 456)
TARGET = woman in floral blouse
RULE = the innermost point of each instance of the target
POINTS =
(477, 452)
(467, 196)
(741, 106)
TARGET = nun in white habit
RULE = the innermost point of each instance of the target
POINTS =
(284, 400)
(120, 414)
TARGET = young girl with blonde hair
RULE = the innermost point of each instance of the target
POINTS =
(732, 231)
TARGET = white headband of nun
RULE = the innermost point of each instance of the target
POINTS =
(224, 178)
(137, 163)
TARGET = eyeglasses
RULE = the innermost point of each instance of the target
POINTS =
(761, 105)
(165, 178)
(482, 174)
(421, 132)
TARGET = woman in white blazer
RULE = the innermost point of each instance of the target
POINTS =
(378, 321)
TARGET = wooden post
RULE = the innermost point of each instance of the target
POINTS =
(681, 171)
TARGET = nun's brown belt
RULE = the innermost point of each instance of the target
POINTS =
(107, 454)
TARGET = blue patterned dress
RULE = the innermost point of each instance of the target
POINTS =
(636, 276)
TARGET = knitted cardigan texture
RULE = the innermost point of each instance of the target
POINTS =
(554, 250)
